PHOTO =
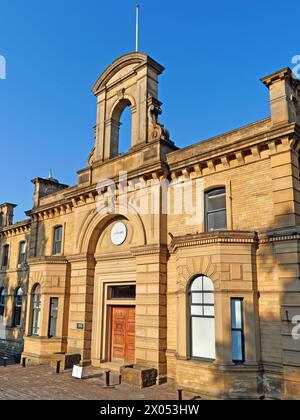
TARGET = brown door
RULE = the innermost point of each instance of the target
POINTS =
(123, 334)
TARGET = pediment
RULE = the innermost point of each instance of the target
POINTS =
(123, 66)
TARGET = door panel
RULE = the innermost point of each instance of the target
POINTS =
(123, 334)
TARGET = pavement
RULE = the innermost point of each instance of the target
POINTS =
(41, 383)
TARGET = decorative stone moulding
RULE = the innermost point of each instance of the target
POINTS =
(213, 238)
(16, 229)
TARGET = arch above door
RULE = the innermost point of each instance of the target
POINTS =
(96, 222)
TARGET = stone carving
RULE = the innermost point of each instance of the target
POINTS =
(91, 158)
(156, 130)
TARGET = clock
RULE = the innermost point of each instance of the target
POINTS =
(118, 234)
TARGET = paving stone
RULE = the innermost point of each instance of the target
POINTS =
(40, 383)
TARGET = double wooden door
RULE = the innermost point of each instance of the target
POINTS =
(123, 333)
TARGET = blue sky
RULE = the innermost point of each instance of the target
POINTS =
(214, 54)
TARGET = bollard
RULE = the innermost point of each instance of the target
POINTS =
(180, 394)
(58, 367)
(24, 362)
(120, 380)
(107, 378)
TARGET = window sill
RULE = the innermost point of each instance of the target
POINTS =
(197, 360)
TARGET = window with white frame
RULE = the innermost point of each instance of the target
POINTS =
(36, 310)
(202, 318)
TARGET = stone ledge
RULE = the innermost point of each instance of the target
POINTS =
(229, 237)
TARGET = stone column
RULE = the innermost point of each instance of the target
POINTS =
(81, 306)
(151, 321)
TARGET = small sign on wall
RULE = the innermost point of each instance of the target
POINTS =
(80, 326)
(77, 372)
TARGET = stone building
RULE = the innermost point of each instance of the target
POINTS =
(185, 261)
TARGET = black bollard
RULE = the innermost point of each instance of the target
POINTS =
(58, 367)
(180, 394)
(5, 361)
(107, 378)
(24, 362)
(120, 380)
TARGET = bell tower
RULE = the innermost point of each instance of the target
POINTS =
(131, 80)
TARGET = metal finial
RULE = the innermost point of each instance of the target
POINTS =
(137, 27)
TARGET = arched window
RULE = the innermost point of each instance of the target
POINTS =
(202, 318)
(18, 307)
(215, 210)
(125, 130)
(121, 115)
(2, 302)
(36, 310)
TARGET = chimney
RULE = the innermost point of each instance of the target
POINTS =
(284, 90)
(7, 214)
(44, 187)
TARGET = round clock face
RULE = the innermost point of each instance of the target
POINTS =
(118, 234)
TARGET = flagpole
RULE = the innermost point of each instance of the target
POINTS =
(137, 27)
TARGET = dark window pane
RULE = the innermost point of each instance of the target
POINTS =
(217, 220)
(18, 308)
(57, 243)
(5, 256)
(215, 207)
(237, 333)
(216, 202)
(53, 317)
(122, 292)
(2, 302)
(237, 346)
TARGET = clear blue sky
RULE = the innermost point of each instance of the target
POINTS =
(214, 54)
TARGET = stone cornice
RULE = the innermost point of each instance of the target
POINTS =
(281, 235)
(112, 256)
(50, 210)
(284, 74)
(149, 250)
(207, 238)
(17, 228)
(79, 196)
(81, 258)
(47, 260)
(214, 152)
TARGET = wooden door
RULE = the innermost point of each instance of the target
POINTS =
(123, 333)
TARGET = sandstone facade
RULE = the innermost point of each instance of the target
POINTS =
(253, 257)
